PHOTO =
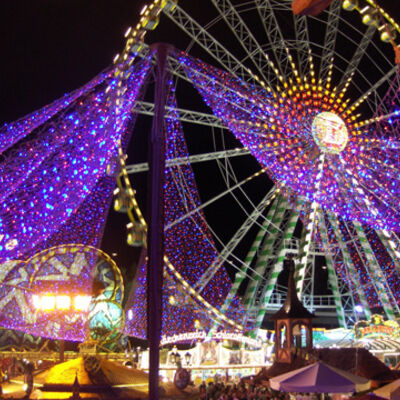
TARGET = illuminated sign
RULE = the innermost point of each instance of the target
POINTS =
(376, 328)
(201, 335)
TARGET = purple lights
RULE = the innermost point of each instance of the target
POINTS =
(52, 170)
(359, 183)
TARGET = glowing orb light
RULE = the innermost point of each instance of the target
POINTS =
(329, 132)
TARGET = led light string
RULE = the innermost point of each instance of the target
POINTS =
(13, 132)
(296, 162)
(68, 170)
(213, 311)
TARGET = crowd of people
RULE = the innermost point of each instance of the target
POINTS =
(241, 391)
(250, 391)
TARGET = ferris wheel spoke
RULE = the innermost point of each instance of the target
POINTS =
(180, 180)
(379, 118)
(373, 90)
(228, 174)
(284, 68)
(363, 189)
(331, 31)
(355, 60)
(227, 171)
(237, 98)
(347, 186)
(390, 98)
(223, 154)
(175, 68)
(380, 197)
(387, 165)
(235, 240)
(245, 37)
(304, 57)
(352, 233)
(271, 259)
(209, 43)
(387, 192)
(215, 198)
(194, 117)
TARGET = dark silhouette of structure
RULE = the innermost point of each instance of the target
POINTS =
(289, 322)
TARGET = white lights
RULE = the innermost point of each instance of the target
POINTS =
(63, 302)
(329, 132)
(48, 302)
(82, 302)
(358, 308)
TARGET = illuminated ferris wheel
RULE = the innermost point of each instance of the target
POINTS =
(314, 100)
(281, 139)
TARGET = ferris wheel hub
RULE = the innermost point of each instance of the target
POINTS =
(329, 132)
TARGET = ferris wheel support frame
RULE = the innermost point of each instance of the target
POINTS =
(332, 277)
(351, 269)
(248, 42)
(254, 51)
(207, 42)
(241, 275)
(274, 268)
(240, 233)
(274, 218)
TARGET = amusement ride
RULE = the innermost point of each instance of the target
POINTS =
(280, 137)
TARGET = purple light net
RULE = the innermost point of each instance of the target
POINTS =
(56, 190)
(190, 248)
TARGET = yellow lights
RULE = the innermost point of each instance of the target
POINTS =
(387, 33)
(168, 5)
(370, 14)
(48, 302)
(150, 23)
(370, 19)
(350, 5)
(128, 31)
(143, 10)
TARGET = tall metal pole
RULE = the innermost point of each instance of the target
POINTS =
(155, 237)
